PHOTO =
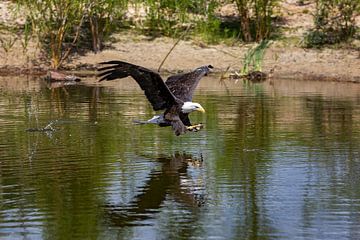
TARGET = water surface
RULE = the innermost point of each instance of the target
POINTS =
(276, 160)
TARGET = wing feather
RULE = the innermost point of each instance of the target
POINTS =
(150, 82)
(183, 85)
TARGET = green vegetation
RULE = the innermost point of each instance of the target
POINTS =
(7, 40)
(102, 16)
(53, 23)
(66, 26)
(58, 24)
(61, 25)
(169, 17)
(255, 18)
(254, 57)
(165, 17)
(334, 22)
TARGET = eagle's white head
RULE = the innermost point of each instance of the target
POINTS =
(189, 107)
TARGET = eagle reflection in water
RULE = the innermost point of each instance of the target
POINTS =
(172, 180)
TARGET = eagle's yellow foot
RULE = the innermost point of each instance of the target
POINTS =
(195, 128)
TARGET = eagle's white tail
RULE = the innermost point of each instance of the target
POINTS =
(157, 119)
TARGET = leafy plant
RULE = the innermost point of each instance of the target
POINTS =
(334, 22)
(172, 17)
(255, 18)
(163, 17)
(26, 36)
(101, 17)
(57, 24)
(254, 57)
(7, 43)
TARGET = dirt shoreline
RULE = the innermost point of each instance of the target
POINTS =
(289, 62)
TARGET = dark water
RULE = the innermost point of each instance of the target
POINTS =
(277, 160)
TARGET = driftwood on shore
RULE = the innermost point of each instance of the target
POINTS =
(54, 76)
(253, 76)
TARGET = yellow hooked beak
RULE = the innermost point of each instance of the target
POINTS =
(200, 109)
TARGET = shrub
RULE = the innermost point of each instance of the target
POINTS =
(334, 22)
(255, 18)
(58, 23)
(101, 17)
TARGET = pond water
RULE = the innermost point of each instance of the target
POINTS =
(276, 160)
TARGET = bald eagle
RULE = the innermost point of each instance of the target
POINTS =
(174, 96)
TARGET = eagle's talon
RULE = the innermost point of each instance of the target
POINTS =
(195, 128)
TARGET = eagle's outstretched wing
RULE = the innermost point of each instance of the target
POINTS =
(154, 87)
(183, 85)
